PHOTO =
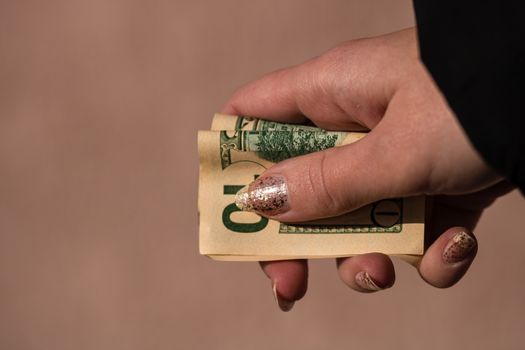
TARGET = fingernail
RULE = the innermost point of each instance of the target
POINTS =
(458, 248)
(364, 281)
(267, 195)
(284, 305)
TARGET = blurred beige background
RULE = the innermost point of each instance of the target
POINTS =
(100, 102)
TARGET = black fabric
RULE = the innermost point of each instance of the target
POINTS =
(475, 52)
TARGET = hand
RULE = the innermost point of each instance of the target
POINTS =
(415, 147)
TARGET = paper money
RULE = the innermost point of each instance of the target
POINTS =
(239, 149)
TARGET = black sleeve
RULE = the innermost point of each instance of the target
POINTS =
(475, 51)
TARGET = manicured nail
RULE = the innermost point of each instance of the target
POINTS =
(458, 248)
(284, 305)
(364, 281)
(267, 195)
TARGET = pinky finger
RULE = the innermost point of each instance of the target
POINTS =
(449, 257)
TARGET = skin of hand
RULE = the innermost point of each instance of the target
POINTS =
(415, 146)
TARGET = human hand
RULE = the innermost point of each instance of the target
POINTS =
(415, 147)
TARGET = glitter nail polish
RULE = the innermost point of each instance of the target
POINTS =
(458, 248)
(364, 281)
(267, 195)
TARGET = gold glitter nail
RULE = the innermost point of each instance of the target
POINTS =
(267, 195)
(364, 281)
(458, 248)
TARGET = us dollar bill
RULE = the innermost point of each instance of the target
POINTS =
(239, 149)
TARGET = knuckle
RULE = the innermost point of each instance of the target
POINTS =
(320, 187)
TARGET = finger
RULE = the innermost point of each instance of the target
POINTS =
(289, 281)
(292, 95)
(449, 257)
(367, 273)
(333, 181)
(273, 97)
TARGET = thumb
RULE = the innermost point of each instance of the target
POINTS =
(334, 181)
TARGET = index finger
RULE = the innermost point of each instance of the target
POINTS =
(293, 95)
(274, 97)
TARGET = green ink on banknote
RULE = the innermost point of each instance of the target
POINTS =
(240, 227)
(276, 146)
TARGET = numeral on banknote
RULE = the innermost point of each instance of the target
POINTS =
(232, 208)
(387, 212)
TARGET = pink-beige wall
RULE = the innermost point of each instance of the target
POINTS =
(100, 102)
